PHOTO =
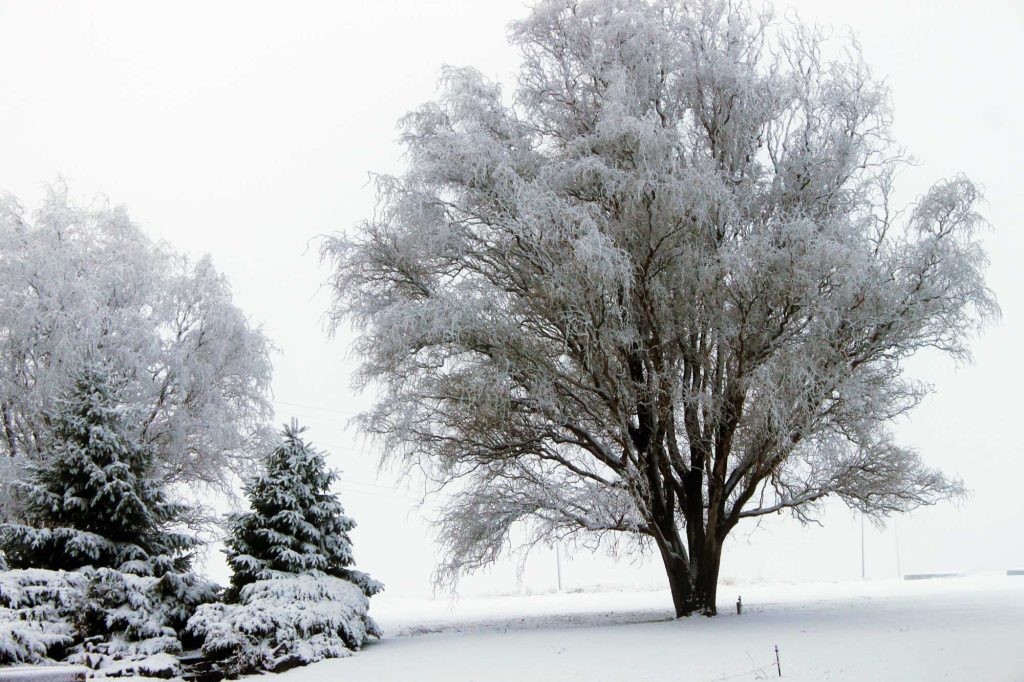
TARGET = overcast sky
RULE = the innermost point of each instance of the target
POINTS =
(246, 129)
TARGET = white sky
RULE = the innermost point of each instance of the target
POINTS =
(245, 129)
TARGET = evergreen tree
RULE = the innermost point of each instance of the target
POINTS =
(92, 501)
(296, 525)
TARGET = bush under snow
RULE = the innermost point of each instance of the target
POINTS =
(285, 621)
(133, 622)
(34, 609)
(101, 618)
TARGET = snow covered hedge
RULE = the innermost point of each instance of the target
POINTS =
(35, 606)
(126, 624)
(285, 621)
(102, 618)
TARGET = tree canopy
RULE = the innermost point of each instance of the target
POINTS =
(660, 289)
(78, 280)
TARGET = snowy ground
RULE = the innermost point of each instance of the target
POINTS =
(951, 629)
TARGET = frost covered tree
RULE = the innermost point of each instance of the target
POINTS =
(294, 598)
(660, 290)
(95, 501)
(296, 525)
(80, 279)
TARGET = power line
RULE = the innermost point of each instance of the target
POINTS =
(316, 407)
(346, 481)
(356, 491)
(344, 484)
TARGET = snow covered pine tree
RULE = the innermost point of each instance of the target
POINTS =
(658, 291)
(294, 598)
(100, 574)
(297, 525)
(96, 502)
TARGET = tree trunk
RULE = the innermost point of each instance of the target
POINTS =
(679, 580)
(694, 583)
(706, 582)
(12, 448)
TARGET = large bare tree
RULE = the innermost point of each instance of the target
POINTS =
(658, 291)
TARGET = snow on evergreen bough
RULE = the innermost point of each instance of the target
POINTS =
(286, 621)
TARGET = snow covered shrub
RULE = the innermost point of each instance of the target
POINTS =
(95, 502)
(296, 525)
(180, 594)
(285, 621)
(102, 618)
(33, 609)
(30, 641)
(133, 608)
(133, 624)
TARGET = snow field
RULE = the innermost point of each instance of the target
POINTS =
(955, 629)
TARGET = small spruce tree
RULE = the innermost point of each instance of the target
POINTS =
(296, 525)
(93, 500)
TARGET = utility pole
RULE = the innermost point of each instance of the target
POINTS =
(558, 563)
(896, 532)
(863, 573)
